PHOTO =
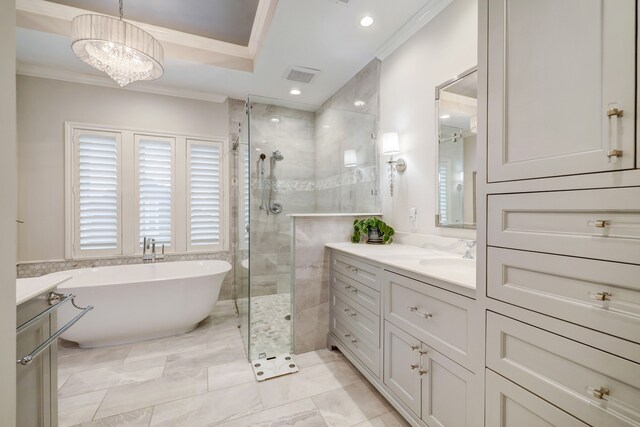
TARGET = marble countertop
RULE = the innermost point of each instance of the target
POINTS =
(34, 286)
(434, 263)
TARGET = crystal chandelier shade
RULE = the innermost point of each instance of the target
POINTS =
(123, 51)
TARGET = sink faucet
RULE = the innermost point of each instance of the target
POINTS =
(470, 244)
(150, 244)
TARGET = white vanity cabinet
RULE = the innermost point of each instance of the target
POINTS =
(411, 339)
(561, 80)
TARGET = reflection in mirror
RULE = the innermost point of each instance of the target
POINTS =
(457, 109)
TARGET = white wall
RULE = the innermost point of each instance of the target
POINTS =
(445, 47)
(7, 213)
(43, 107)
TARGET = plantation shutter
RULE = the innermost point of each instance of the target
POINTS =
(96, 192)
(205, 195)
(155, 189)
(443, 195)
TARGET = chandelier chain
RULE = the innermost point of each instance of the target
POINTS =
(121, 9)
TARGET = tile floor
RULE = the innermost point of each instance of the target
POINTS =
(201, 378)
(270, 329)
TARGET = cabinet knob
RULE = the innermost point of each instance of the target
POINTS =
(615, 112)
(600, 393)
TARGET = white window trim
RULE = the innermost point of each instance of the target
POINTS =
(224, 200)
(72, 239)
(129, 221)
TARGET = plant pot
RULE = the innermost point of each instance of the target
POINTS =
(373, 236)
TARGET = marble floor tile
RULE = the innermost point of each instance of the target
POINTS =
(307, 382)
(165, 347)
(230, 374)
(350, 405)
(129, 397)
(101, 378)
(310, 358)
(94, 358)
(301, 413)
(137, 418)
(390, 419)
(209, 408)
(78, 409)
(225, 353)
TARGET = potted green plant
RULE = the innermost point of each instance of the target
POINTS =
(376, 231)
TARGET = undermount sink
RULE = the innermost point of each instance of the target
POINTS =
(449, 263)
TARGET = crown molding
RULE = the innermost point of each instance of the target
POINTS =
(419, 20)
(75, 77)
(42, 15)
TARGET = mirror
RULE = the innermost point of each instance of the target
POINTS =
(457, 109)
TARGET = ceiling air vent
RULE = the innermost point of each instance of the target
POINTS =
(301, 74)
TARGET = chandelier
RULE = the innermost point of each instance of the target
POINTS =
(123, 51)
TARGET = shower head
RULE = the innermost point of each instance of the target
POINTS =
(277, 155)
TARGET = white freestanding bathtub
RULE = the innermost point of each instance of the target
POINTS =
(140, 302)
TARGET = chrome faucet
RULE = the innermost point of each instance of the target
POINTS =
(470, 244)
(150, 244)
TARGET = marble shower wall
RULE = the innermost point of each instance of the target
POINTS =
(348, 121)
(289, 181)
(311, 269)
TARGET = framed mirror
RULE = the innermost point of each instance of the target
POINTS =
(456, 112)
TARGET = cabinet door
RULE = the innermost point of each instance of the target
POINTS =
(511, 406)
(401, 366)
(447, 391)
(556, 70)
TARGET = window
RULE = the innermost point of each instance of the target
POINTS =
(205, 194)
(96, 193)
(155, 189)
(124, 185)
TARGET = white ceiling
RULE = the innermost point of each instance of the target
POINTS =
(226, 20)
(320, 34)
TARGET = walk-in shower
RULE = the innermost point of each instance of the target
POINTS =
(277, 174)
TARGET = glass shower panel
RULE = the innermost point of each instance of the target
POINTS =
(242, 232)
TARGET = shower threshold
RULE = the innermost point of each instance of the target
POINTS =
(271, 367)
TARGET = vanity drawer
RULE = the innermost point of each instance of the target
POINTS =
(364, 351)
(441, 319)
(363, 295)
(597, 294)
(509, 405)
(597, 387)
(366, 324)
(356, 270)
(599, 224)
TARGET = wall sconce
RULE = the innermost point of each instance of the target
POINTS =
(391, 146)
(350, 158)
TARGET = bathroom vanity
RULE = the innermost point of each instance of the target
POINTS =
(405, 317)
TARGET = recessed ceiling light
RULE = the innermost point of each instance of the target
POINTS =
(359, 103)
(295, 92)
(445, 116)
(326, 126)
(275, 120)
(367, 21)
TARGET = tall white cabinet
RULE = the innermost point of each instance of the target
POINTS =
(561, 97)
(559, 233)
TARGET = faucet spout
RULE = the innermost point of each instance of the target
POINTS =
(470, 245)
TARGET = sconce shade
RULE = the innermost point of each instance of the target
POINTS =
(350, 158)
(390, 143)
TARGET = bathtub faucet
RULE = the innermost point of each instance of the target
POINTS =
(150, 244)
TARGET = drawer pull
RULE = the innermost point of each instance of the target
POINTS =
(423, 352)
(414, 347)
(352, 314)
(414, 366)
(602, 296)
(614, 153)
(347, 335)
(346, 310)
(414, 309)
(600, 393)
(354, 340)
(615, 112)
(600, 223)
(422, 372)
